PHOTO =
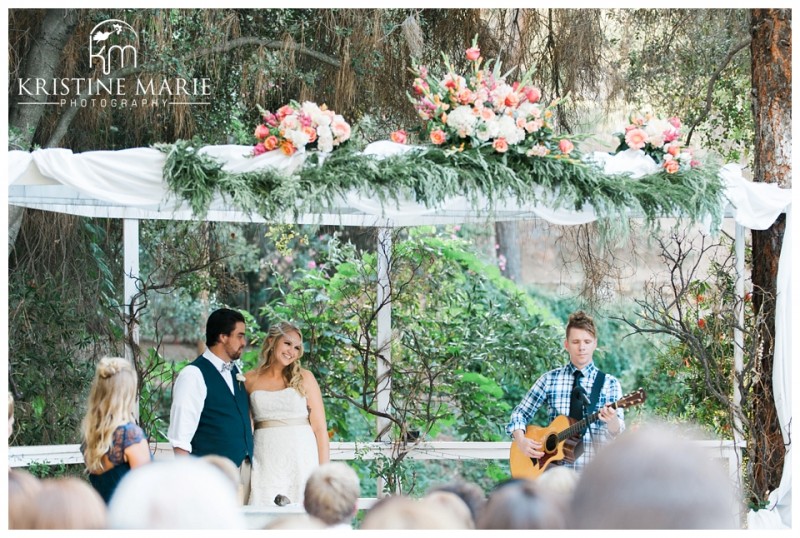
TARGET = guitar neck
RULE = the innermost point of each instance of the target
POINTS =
(579, 426)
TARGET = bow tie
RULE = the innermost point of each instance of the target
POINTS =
(227, 366)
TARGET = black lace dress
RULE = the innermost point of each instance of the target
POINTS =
(124, 436)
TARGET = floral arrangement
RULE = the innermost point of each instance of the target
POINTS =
(660, 139)
(295, 128)
(480, 109)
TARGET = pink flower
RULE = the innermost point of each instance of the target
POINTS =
(340, 128)
(262, 131)
(694, 164)
(311, 264)
(419, 86)
(438, 137)
(473, 53)
(511, 100)
(675, 121)
(270, 119)
(399, 136)
(566, 146)
(466, 96)
(532, 94)
(284, 111)
(258, 149)
(500, 145)
(636, 138)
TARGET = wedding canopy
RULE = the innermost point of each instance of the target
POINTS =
(129, 184)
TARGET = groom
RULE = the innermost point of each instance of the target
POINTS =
(210, 411)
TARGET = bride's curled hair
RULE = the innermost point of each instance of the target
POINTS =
(291, 374)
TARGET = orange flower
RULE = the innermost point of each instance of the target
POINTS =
(566, 146)
(399, 136)
(271, 143)
(438, 137)
(701, 323)
(288, 148)
(311, 132)
(672, 166)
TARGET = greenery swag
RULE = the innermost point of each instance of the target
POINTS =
(430, 175)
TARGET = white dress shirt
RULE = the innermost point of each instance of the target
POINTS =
(188, 399)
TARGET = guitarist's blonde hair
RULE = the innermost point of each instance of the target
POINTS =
(581, 320)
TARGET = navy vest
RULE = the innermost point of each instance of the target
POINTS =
(224, 427)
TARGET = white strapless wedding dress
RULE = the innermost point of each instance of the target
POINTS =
(285, 449)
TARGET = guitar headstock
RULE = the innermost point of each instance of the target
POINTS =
(634, 398)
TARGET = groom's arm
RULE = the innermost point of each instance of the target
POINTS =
(188, 397)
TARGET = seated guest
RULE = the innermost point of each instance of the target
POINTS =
(450, 503)
(469, 492)
(331, 494)
(401, 512)
(67, 503)
(182, 493)
(112, 442)
(520, 504)
(22, 489)
(654, 478)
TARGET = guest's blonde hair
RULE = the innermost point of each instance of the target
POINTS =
(292, 373)
(68, 503)
(112, 403)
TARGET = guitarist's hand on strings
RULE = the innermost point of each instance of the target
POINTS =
(529, 447)
(609, 415)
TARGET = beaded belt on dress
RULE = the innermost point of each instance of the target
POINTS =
(274, 423)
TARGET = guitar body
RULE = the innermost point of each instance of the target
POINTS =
(561, 439)
(569, 449)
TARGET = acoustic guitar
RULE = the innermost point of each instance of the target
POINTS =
(561, 439)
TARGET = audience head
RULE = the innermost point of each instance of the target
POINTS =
(112, 402)
(402, 512)
(68, 503)
(450, 503)
(558, 483)
(229, 469)
(182, 493)
(295, 522)
(22, 489)
(654, 478)
(469, 492)
(520, 504)
(332, 492)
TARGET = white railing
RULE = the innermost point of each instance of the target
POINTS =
(23, 456)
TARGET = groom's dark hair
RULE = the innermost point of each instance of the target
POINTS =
(222, 321)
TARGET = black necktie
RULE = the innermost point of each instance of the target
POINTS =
(576, 401)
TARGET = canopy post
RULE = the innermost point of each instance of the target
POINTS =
(383, 349)
(130, 238)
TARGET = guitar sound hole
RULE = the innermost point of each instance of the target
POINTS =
(550, 443)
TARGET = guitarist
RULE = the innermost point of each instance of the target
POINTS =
(557, 387)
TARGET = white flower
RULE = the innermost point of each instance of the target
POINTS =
(240, 377)
(463, 120)
(298, 138)
(507, 128)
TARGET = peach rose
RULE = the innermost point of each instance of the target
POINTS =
(399, 136)
(672, 166)
(566, 146)
(500, 145)
(311, 133)
(636, 138)
(271, 143)
(288, 148)
(473, 53)
(438, 137)
(674, 150)
(284, 111)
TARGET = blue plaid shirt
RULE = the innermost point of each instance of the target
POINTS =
(555, 389)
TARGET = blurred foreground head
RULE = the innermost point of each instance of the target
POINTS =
(183, 493)
(654, 477)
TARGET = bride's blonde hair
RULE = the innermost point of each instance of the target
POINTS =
(112, 402)
(291, 374)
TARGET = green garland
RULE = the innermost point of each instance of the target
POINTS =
(431, 175)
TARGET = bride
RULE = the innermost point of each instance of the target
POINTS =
(291, 434)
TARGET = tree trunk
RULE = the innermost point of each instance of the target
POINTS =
(43, 61)
(508, 255)
(771, 51)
